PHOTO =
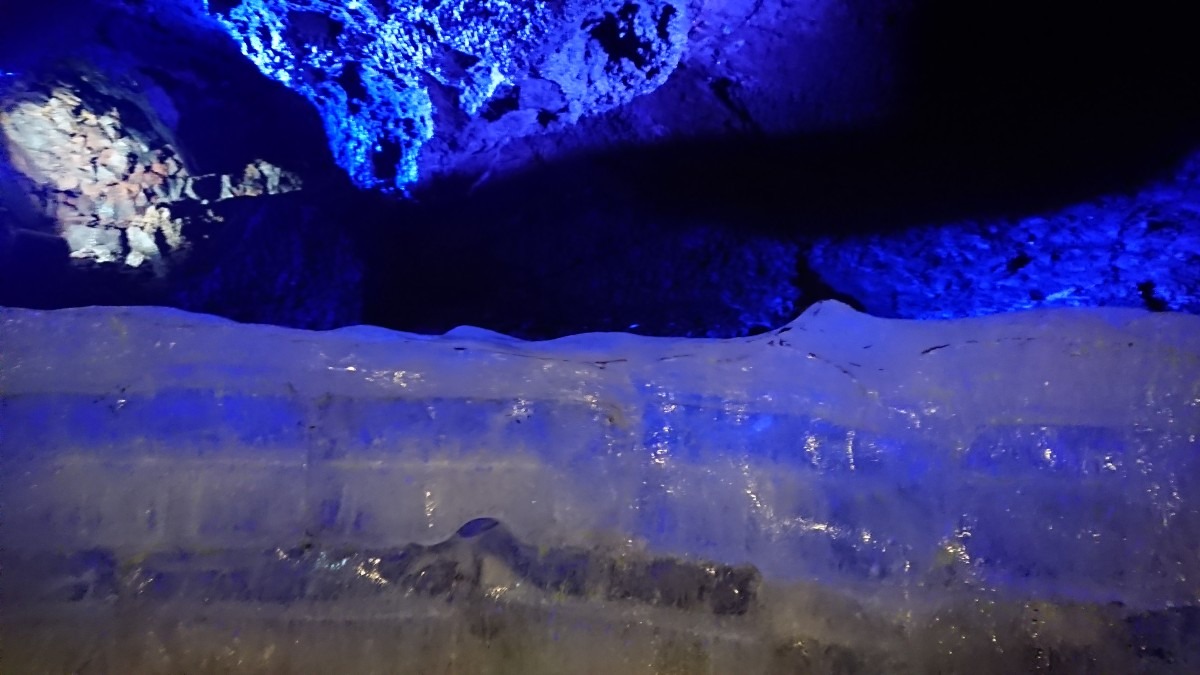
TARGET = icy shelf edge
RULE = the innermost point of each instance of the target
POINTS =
(840, 449)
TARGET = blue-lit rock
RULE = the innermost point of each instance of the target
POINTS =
(1135, 249)
(878, 130)
(372, 68)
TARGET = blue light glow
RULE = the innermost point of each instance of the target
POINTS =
(364, 67)
(1118, 250)
(368, 67)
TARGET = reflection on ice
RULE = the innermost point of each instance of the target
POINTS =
(887, 485)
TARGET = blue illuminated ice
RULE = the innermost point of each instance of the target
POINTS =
(1047, 454)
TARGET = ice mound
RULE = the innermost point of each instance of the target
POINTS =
(842, 494)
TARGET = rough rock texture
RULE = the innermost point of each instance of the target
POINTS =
(415, 92)
(711, 178)
(287, 263)
(145, 161)
(107, 186)
(1137, 249)
(388, 75)
(180, 70)
(999, 494)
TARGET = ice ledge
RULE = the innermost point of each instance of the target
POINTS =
(1044, 454)
(1036, 367)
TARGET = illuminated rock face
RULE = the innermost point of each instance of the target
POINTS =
(1027, 483)
(565, 182)
(142, 158)
(382, 72)
(108, 185)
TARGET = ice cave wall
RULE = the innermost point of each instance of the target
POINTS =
(913, 496)
(1054, 451)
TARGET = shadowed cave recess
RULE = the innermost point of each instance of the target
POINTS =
(548, 168)
(666, 167)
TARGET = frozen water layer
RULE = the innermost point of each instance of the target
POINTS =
(1047, 454)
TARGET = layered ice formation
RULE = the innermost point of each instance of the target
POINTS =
(893, 495)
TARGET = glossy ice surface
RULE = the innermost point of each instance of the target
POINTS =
(844, 480)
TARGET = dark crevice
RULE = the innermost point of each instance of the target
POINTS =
(314, 29)
(223, 7)
(350, 80)
(664, 22)
(617, 37)
(207, 187)
(427, 29)
(386, 158)
(501, 105)
(1150, 298)
(1018, 262)
(383, 8)
(722, 88)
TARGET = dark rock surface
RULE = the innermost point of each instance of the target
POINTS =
(687, 167)
(389, 75)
